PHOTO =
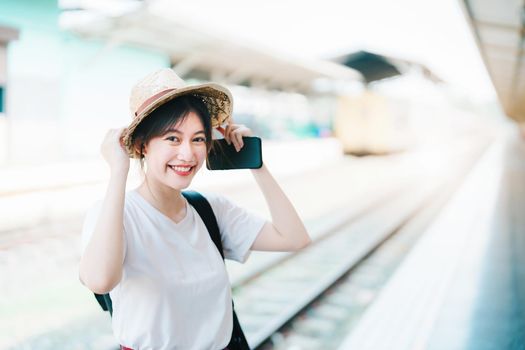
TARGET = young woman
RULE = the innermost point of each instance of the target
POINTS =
(148, 248)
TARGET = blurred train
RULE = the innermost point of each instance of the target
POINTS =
(385, 115)
(371, 123)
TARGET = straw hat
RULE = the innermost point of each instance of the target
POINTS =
(164, 85)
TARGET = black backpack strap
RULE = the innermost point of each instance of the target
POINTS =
(205, 211)
(238, 340)
(105, 303)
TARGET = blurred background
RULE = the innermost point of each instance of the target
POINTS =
(396, 128)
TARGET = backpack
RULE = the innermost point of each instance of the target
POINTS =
(202, 206)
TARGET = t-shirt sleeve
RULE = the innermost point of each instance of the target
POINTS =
(239, 227)
(90, 221)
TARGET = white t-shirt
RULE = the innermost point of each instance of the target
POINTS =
(175, 292)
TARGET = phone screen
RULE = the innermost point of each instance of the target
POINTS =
(224, 157)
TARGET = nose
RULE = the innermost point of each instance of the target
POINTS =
(185, 152)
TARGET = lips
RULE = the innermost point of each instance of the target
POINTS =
(182, 170)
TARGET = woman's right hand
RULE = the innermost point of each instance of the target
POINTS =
(114, 152)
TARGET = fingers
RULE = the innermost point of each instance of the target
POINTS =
(237, 141)
(114, 151)
(228, 133)
(116, 132)
(121, 133)
(114, 137)
(234, 134)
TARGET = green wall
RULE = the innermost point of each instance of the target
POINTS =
(73, 88)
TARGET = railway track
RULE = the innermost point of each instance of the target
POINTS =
(325, 320)
(268, 302)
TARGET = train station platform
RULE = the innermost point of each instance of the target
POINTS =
(463, 285)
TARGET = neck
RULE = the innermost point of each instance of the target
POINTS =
(166, 199)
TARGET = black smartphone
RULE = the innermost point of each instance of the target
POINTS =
(224, 157)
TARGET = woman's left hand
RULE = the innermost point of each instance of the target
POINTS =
(234, 133)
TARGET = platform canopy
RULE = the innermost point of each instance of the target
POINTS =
(498, 26)
(374, 67)
(197, 50)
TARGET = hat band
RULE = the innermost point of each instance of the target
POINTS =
(149, 100)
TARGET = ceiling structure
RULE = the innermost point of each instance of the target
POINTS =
(194, 50)
(498, 26)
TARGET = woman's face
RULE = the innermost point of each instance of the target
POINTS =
(174, 158)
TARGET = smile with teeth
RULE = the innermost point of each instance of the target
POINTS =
(181, 169)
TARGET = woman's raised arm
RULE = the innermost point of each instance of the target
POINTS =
(101, 262)
(286, 232)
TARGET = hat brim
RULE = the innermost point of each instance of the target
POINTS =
(217, 99)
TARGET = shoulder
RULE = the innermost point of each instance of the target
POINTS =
(213, 197)
(218, 202)
(226, 210)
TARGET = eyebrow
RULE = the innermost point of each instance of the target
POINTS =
(180, 132)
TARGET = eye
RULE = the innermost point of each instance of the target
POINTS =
(199, 139)
(172, 138)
